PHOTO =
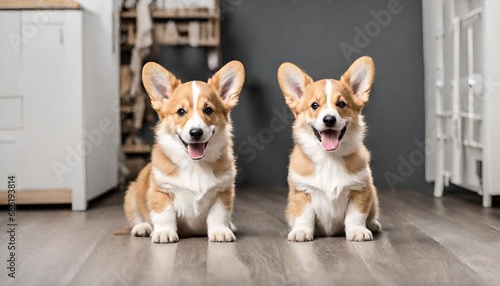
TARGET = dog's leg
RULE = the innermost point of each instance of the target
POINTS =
(135, 205)
(372, 222)
(301, 217)
(357, 214)
(135, 220)
(142, 229)
(164, 226)
(162, 216)
(139, 224)
(218, 218)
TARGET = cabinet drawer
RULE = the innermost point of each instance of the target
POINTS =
(42, 17)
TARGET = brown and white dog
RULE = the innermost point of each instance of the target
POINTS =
(330, 183)
(188, 187)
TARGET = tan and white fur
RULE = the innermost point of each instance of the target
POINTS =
(330, 182)
(188, 187)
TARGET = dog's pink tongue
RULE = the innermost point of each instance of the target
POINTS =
(330, 139)
(196, 150)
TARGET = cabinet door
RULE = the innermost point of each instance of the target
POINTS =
(10, 46)
(10, 99)
(52, 88)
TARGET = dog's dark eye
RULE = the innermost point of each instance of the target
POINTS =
(341, 104)
(208, 110)
(315, 105)
(181, 111)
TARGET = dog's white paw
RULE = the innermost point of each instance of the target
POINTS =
(142, 229)
(301, 234)
(221, 235)
(164, 236)
(374, 226)
(358, 233)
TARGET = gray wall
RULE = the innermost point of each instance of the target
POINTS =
(263, 34)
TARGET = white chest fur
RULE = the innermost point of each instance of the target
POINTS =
(195, 189)
(329, 187)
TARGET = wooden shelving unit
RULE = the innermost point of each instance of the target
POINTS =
(208, 21)
(170, 27)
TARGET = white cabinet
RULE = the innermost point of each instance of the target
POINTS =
(462, 78)
(59, 117)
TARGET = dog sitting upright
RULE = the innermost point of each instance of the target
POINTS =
(330, 183)
(188, 187)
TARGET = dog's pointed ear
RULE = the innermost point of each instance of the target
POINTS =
(228, 82)
(359, 77)
(159, 83)
(293, 82)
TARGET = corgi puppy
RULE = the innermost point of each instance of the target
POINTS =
(188, 187)
(330, 182)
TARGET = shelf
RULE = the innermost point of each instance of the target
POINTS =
(175, 14)
(38, 5)
(136, 149)
(185, 42)
(126, 109)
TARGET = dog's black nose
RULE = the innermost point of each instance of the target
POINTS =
(196, 133)
(329, 120)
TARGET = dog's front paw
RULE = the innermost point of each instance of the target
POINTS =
(301, 234)
(221, 235)
(142, 229)
(358, 233)
(164, 236)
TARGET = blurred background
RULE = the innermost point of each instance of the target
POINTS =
(319, 37)
(75, 120)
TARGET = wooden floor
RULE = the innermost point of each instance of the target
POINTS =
(426, 241)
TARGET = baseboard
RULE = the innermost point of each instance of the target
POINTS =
(38, 197)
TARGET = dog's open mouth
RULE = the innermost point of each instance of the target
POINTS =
(196, 151)
(329, 138)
